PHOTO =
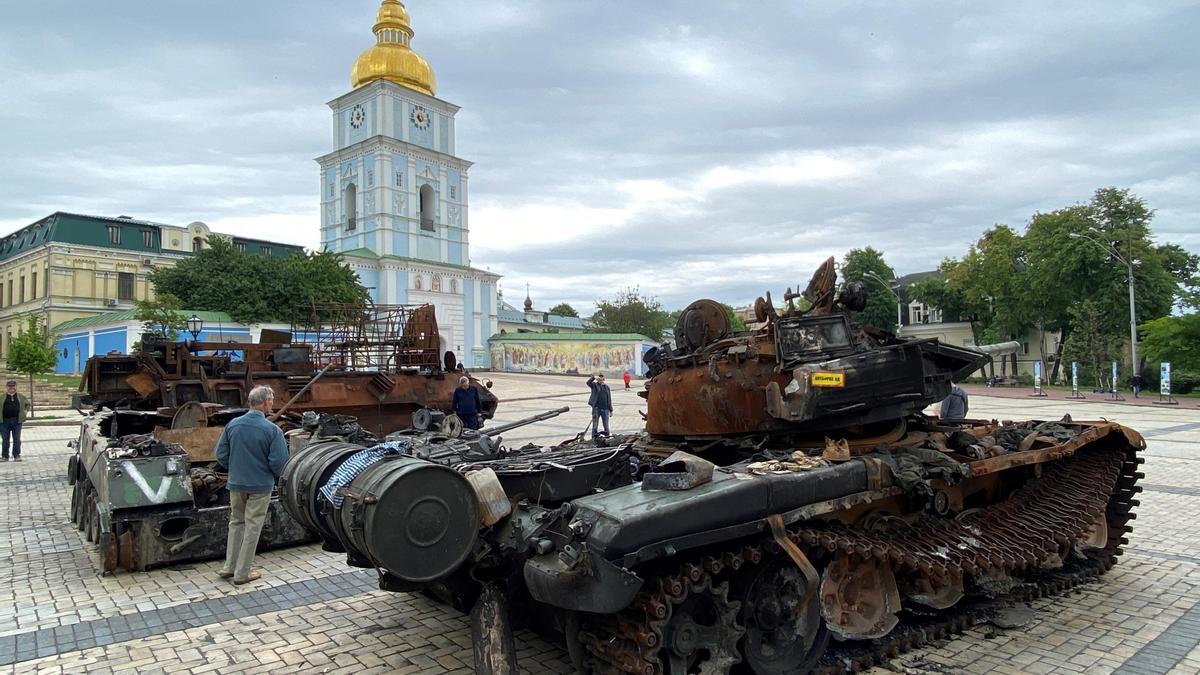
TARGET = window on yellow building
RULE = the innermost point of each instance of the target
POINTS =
(114, 234)
(125, 285)
(33, 285)
(148, 238)
(22, 285)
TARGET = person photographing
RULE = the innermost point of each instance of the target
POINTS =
(600, 401)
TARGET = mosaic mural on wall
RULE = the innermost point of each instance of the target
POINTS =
(567, 358)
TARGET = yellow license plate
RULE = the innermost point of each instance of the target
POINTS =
(828, 379)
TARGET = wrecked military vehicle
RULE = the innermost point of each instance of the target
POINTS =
(146, 486)
(379, 363)
(789, 507)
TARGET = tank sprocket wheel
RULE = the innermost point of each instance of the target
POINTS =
(781, 615)
(702, 632)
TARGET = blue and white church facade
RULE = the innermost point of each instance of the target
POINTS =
(394, 193)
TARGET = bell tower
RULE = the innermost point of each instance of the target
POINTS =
(394, 191)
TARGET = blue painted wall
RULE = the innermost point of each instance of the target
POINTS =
(422, 137)
(400, 244)
(112, 340)
(75, 346)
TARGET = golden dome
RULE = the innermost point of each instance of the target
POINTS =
(391, 58)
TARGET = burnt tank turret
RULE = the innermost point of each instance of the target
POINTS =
(789, 508)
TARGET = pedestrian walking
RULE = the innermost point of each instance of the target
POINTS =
(601, 402)
(1139, 383)
(253, 451)
(954, 406)
(626, 378)
(467, 405)
(16, 408)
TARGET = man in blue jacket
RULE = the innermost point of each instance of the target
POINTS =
(600, 400)
(954, 406)
(253, 451)
(467, 405)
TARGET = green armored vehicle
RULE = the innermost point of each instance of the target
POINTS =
(151, 496)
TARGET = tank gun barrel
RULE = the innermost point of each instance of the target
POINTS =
(1000, 348)
(524, 421)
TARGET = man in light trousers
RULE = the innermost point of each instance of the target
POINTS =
(253, 451)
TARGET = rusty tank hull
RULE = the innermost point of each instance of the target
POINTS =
(781, 528)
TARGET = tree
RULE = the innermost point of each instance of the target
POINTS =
(32, 351)
(866, 265)
(254, 289)
(1066, 266)
(631, 312)
(735, 322)
(563, 309)
(1090, 342)
(163, 315)
(1173, 338)
(987, 287)
(1185, 267)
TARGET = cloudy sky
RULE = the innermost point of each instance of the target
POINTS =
(689, 148)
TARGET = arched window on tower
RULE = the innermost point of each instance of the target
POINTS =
(428, 208)
(351, 207)
(197, 244)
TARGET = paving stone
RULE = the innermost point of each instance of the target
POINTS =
(310, 612)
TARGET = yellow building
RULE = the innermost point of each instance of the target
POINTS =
(69, 266)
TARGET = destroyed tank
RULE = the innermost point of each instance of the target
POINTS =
(789, 507)
(146, 487)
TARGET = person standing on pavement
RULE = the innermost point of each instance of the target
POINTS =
(467, 405)
(1139, 383)
(954, 406)
(600, 400)
(626, 378)
(253, 451)
(16, 407)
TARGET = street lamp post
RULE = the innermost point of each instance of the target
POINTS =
(195, 325)
(876, 277)
(1132, 296)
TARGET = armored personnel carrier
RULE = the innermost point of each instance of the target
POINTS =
(789, 507)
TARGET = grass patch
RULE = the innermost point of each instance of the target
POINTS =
(69, 381)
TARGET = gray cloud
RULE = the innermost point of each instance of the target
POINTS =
(716, 149)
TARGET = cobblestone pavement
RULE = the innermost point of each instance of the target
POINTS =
(310, 613)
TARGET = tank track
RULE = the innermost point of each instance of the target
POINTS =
(629, 641)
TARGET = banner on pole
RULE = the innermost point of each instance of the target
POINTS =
(1114, 376)
(1164, 378)
(1075, 377)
